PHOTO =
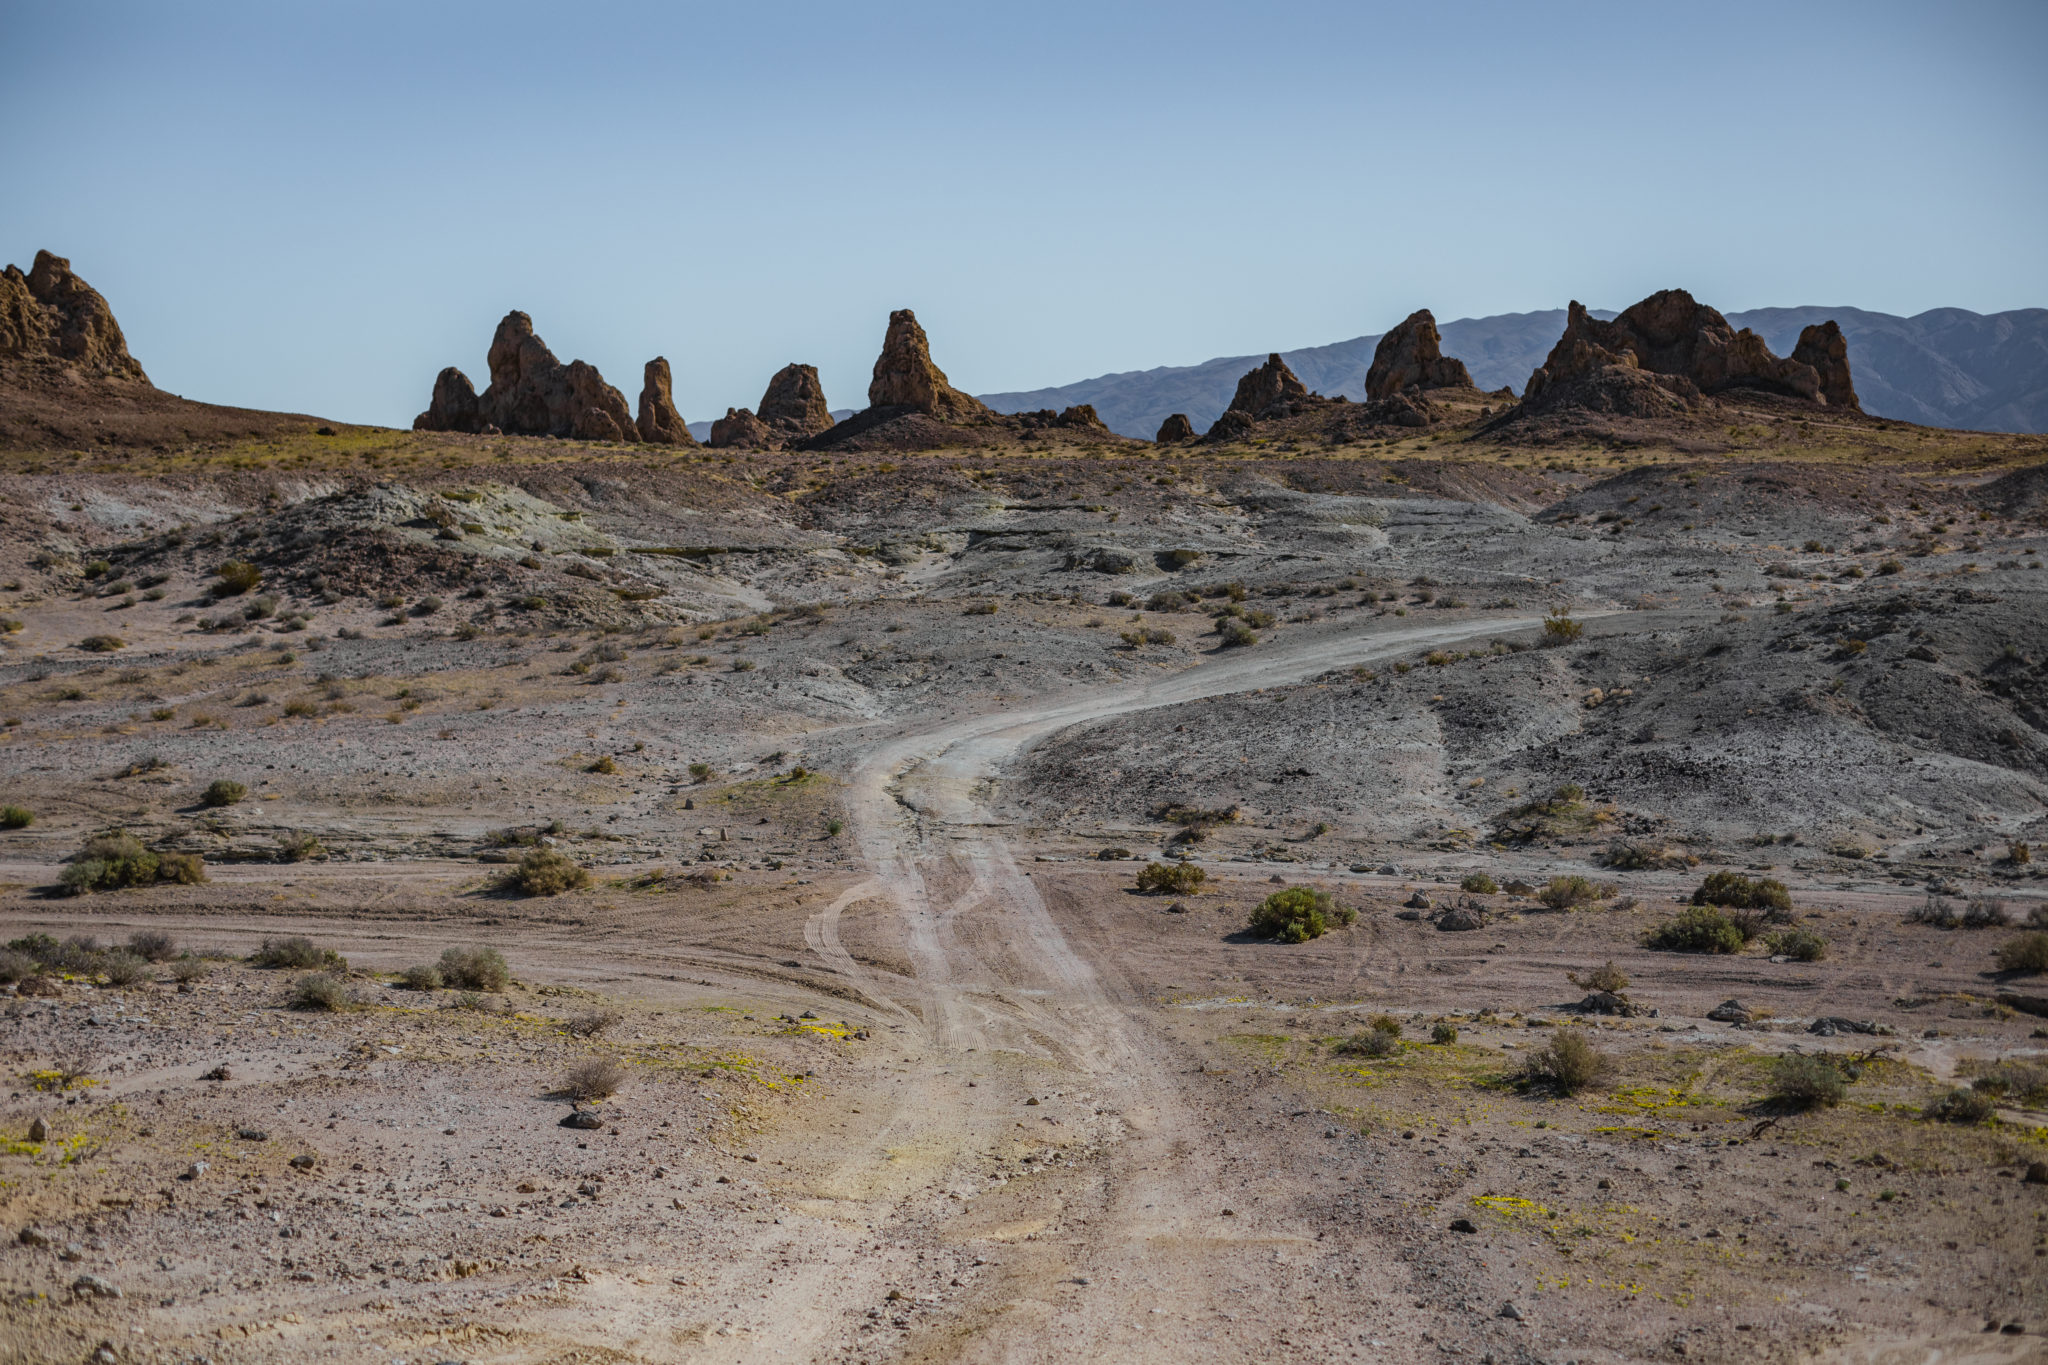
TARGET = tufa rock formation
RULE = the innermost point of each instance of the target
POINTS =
(1266, 388)
(794, 405)
(1823, 346)
(905, 376)
(1663, 353)
(1175, 430)
(51, 318)
(659, 423)
(740, 427)
(1411, 357)
(531, 394)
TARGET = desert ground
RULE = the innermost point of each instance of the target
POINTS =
(859, 757)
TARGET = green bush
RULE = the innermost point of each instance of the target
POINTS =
(1961, 1106)
(102, 644)
(1444, 1033)
(320, 991)
(223, 791)
(1235, 633)
(117, 859)
(1565, 893)
(1807, 1082)
(1180, 879)
(1801, 945)
(1298, 914)
(475, 969)
(300, 954)
(1701, 929)
(1380, 1037)
(16, 817)
(236, 577)
(545, 872)
(1479, 884)
(1560, 629)
(425, 977)
(1738, 892)
(1568, 1064)
(2027, 954)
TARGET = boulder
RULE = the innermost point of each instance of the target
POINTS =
(1460, 920)
(739, 427)
(1730, 1012)
(905, 376)
(51, 317)
(1672, 343)
(794, 403)
(1233, 425)
(532, 394)
(1823, 346)
(1082, 415)
(1609, 1002)
(453, 407)
(1175, 430)
(659, 422)
(1411, 357)
(1270, 386)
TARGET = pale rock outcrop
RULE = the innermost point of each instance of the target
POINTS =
(51, 318)
(906, 377)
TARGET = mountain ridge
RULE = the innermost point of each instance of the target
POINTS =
(1943, 367)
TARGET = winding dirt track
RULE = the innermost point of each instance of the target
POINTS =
(994, 971)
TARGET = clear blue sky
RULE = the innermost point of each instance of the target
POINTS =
(315, 207)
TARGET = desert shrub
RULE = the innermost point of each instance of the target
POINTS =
(235, 578)
(1181, 879)
(2027, 954)
(1298, 914)
(102, 644)
(1738, 892)
(475, 969)
(1235, 633)
(16, 966)
(296, 954)
(1985, 913)
(1565, 893)
(1801, 945)
(117, 859)
(1807, 1082)
(1700, 929)
(1564, 812)
(474, 1002)
(591, 1023)
(423, 977)
(223, 791)
(2019, 853)
(1961, 1106)
(1379, 1038)
(545, 872)
(152, 945)
(593, 1078)
(185, 869)
(124, 969)
(299, 847)
(2016, 1082)
(1605, 977)
(1444, 1033)
(1479, 884)
(188, 969)
(1560, 629)
(1935, 912)
(16, 817)
(606, 765)
(319, 991)
(1625, 856)
(1567, 1064)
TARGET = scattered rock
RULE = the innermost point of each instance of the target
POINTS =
(1418, 901)
(1730, 1012)
(578, 1118)
(35, 1237)
(659, 423)
(72, 1252)
(252, 1134)
(905, 376)
(1463, 1225)
(50, 317)
(219, 1073)
(1610, 1002)
(1823, 346)
(2037, 1173)
(304, 1161)
(38, 1129)
(739, 427)
(194, 1171)
(793, 406)
(1411, 357)
(1461, 919)
(94, 1287)
(1510, 1312)
(1828, 1026)
(1175, 430)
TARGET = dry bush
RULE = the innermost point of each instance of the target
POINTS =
(124, 969)
(322, 992)
(545, 872)
(2026, 954)
(1737, 892)
(1801, 945)
(1443, 1033)
(1606, 977)
(1986, 913)
(1380, 1037)
(423, 977)
(1479, 884)
(189, 969)
(475, 969)
(1298, 914)
(1566, 893)
(1181, 879)
(1808, 1082)
(1961, 1106)
(593, 1078)
(1699, 929)
(591, 1023)
(223, 791)
(1568, 1064)
(152, 945)
(299, 954)
(1625, 856)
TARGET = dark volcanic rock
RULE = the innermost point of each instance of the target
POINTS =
(660, 423)
(739, 427)
(1824, 348)
(453, 407)
(1681, 346)
(533, 394)
(1175, 430)
(794, 404)
(1270, 386)
(905, 376)
(1411, 357)
(51, 317)
(1233, 425)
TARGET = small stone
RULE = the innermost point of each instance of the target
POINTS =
(1463, 1225)
(194, 1171)
(1510, 1312)
(252, 1134)
(581, 1120)
(219, 1073)
(1032, 1100)
(95, 1286)
(2037, 1173)
(72, 1252)
(38, 1131)
(750, 1157)
(305, 1161)
(32, 1237)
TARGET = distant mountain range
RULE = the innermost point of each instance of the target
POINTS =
(1946, 367)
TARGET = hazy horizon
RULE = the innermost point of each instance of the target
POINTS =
(316, 211)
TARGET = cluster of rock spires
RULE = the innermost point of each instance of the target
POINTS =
(1667, 351)
(1412, 357)
(533, 394)
(52, 319)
